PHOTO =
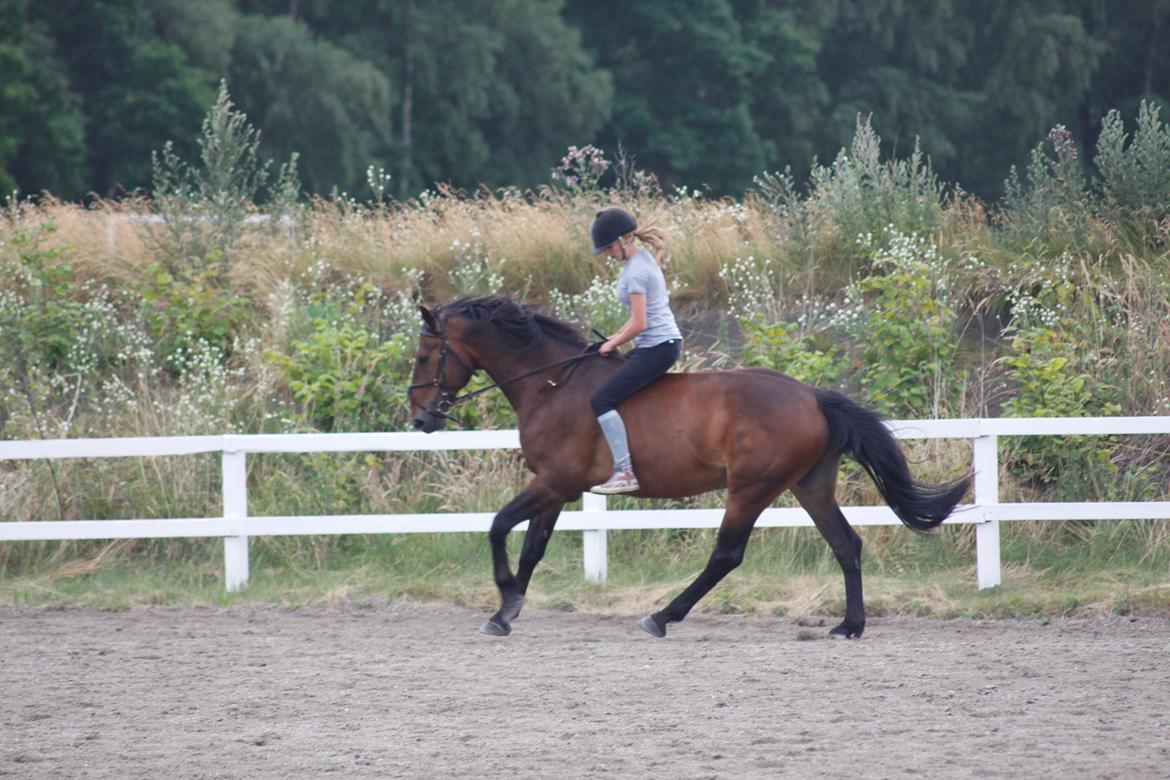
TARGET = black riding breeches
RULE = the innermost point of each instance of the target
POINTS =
(642, 366)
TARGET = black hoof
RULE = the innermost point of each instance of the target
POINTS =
(847, 630)
(652, 626)
(495, 628)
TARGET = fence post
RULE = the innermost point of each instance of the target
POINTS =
(594, 542)
(987, 564)
(235, 506)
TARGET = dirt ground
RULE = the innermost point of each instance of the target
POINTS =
(369, 690)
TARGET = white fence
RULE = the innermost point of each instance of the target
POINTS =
(235, 526)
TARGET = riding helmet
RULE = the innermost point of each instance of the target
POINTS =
(609, 225)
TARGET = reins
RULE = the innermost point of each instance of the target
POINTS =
(448, 398)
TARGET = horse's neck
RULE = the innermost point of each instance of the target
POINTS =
(532, 392)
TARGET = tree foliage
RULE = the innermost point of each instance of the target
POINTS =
(311, 97)
(705, 93)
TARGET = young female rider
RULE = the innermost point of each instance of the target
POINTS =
(642, 288)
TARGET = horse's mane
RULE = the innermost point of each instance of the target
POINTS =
(516, 326)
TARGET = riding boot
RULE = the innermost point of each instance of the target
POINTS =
(623, 479)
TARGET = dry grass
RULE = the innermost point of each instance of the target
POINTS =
(540, 244)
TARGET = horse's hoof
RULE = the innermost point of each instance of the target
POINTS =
(847, 631)
(651, 626)
(493, 628)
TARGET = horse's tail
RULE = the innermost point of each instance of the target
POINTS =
(861, 433)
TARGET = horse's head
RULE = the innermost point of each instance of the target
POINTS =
(440, 371)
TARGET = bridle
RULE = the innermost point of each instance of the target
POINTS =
(447, 396)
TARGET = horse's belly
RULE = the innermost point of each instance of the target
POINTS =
(667, 480)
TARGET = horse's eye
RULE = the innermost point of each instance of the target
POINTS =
(422, 359)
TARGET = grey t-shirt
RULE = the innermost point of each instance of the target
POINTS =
(641, 274)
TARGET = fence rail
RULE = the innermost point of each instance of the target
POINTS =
(593, 519)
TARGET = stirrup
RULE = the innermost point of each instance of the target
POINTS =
(622, 481)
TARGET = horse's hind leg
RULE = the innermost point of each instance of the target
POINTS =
(730, 543)
(817, 493)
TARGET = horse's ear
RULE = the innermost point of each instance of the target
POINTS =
(429, 320)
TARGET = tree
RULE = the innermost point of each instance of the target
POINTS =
(205, 31)
(903, 62)
(534, 113)
(41, 125)
(788, 95)
(682, 74)
(312, 97)
(1039, 60)
(136, 90)
(1135, 61)
(491, 91)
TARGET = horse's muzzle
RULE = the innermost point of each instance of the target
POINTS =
(428, 422)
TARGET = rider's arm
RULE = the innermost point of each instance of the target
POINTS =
(634, 325)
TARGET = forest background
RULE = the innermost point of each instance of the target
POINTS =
(704, 93)
(944, 209)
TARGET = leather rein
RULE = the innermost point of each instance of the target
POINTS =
(447, 396)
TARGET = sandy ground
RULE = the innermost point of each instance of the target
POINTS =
(414, 691)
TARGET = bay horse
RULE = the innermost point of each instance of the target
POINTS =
(754, 431)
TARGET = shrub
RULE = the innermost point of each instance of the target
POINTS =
(349, 356)
(754, 293)
(903, 319)
(1053, 200)
(596, 307)
(475, 271)
(862, 194)
(782, 347)
(1135, 176)
(204, 208)
(59, 338)
(347, 378)
(1058, 368)
(191, 306)
(1056, 377)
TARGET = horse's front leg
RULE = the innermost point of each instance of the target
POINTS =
(540, 507)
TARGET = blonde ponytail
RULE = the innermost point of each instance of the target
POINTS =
(655, 238)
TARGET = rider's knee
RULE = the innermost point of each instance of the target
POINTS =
(600, 404)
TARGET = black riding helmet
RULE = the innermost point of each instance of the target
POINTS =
(609, 225)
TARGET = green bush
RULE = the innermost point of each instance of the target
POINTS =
(863, 194)
(1052, 200)
(780, 346)
(1057, 375)
(1059, 362)
(193, 349)
(60, 338)
(204, 207)
(1135, 173)
(595, 307)
(902, 319)
(39, 311)
(192, 306)
(346, 378)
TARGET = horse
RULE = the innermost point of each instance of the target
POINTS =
(754, 431)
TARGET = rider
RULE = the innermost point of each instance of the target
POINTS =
(642, 288)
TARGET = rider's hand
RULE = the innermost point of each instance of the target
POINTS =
(608, 346)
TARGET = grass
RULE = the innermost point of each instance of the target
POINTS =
(787, 572)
